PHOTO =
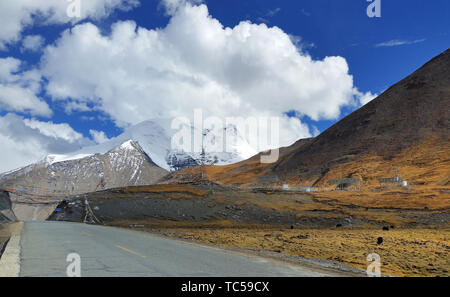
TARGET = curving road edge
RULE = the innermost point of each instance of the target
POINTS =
(10, 260)
(43, 249)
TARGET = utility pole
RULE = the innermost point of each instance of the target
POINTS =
(203, 155)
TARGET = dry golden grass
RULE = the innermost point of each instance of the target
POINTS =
(283, 206)
(404, 252)
(419, 198)
(427, 163)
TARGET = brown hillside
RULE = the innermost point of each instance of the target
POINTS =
(407, 115)
(405, 130)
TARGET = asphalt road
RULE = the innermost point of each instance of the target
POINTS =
(106, 251)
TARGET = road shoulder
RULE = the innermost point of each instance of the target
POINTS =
(10, 260)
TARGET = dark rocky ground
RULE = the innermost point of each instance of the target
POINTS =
(215, 205)
(6, 214)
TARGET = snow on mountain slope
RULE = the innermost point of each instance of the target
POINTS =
(155, 138)
(141, 155)
(124, 165)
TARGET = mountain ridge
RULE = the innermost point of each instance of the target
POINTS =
(124, 165)
(409, 112)
(390, 135)
(155, 139)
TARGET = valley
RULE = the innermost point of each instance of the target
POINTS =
(337, 226)
(375, 182)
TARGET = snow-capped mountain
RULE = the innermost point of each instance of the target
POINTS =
(141, 155)
(221, 146)
(125, 165)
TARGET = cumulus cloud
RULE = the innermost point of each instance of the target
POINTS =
(56, 131)
(25, 141)
(32, 43)
(135, 74)
(18, 14)
(98, 136)
(18, 89)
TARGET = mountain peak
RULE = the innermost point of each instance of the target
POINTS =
(403, 131)
(154, 138)
(407, 114)
(57, 175)
(128, 145)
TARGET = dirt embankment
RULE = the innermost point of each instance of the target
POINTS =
(222, 206)
(337, 226)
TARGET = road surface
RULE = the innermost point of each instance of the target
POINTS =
(107, 251)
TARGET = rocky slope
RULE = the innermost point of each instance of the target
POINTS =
(409, 113)
(139, 156)
(155, 138)
(125, 165)
(404, 131)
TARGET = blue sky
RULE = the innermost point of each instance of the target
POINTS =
(331, 27)
(378, 51)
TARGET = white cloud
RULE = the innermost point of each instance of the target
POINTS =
(18, 14)
(398, 42)
(364, 98)
(18, 89)
(72, 106)
(25, 141)
(56, 131)
(315, 131)
(171, 6)
(99, 136)
(32, 43)
(16, 98)
(135, 74)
